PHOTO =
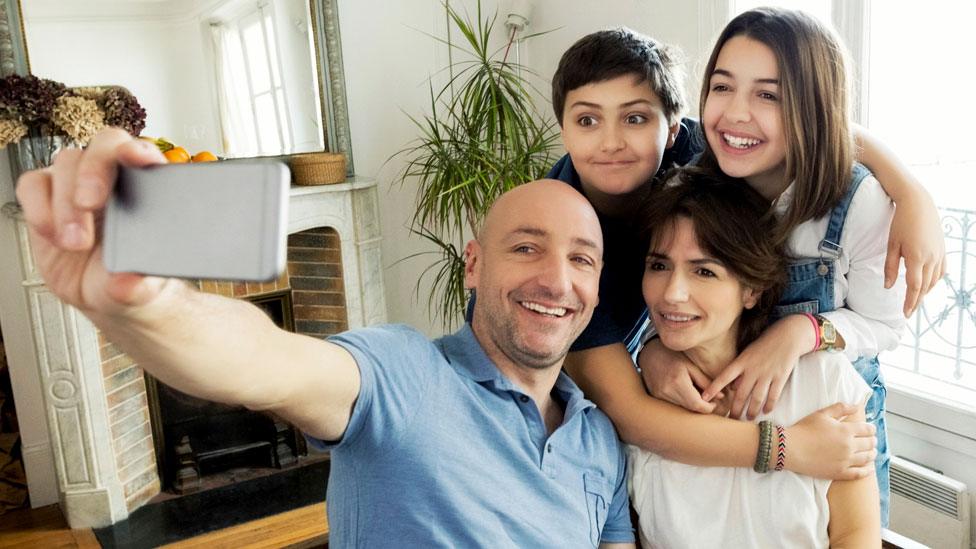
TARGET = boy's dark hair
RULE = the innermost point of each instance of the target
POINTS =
(734, 224)
(607, 54)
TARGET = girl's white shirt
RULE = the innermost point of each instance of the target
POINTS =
(867, 315)
(689, 506)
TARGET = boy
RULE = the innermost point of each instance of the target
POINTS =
(618, 97)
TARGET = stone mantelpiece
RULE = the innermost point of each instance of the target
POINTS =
(88, 473)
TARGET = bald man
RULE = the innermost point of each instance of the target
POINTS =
(475, 439)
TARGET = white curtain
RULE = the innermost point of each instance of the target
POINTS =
(236, 112)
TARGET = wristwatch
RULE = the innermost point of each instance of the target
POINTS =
(828, 334)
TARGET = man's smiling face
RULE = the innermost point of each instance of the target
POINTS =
(536, 268)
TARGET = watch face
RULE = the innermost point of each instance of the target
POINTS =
(829, 333)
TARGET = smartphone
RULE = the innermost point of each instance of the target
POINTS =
(209, 220)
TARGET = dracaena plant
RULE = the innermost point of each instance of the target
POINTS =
(483, 136)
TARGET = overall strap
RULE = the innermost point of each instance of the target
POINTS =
(830, 245)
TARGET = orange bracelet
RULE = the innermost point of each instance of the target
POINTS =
(816, 330)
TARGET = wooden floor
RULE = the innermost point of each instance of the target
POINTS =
(45, 527)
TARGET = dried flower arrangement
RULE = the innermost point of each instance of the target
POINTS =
(57, 116)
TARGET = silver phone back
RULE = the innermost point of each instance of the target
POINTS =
(215, 220)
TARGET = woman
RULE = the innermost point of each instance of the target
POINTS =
(714, 274)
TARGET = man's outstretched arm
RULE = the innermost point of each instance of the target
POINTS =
(208, 346)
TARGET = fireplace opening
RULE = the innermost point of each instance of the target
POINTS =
(13, 480)
(201, 444)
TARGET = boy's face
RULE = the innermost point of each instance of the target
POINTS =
(616, 133)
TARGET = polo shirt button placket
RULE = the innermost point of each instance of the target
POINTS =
(550, 468)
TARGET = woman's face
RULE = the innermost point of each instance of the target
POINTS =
(694, 300)
(743, 119)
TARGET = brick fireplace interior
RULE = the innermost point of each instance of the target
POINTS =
(144, 415)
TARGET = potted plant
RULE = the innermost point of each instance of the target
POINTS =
(483, 137)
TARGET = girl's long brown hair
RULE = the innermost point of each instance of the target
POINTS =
(815, 105)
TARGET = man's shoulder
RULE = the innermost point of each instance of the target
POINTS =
(401, 331)
(390, 338)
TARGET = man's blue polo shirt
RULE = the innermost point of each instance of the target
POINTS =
(442, 450)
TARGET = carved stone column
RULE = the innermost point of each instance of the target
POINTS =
(69, 365)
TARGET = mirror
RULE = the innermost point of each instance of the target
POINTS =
(239, 78)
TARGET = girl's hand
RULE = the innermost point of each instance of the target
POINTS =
(833, 443)
(916, 234)
(761, 369)
(670, 376)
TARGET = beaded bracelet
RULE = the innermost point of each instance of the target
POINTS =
(781, 449)
(765, 447)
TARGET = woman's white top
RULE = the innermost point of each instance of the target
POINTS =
(689, 506)
(868, 316)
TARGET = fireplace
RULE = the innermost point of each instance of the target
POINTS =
(96, 400)
(196, 439)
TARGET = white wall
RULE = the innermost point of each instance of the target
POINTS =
(388, 59)
(688, 25)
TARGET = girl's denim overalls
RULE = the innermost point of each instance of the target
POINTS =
(811, 290)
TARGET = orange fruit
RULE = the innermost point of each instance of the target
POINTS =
(177, 155)
(204, 156)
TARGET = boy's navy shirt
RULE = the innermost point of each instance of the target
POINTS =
(621, 312)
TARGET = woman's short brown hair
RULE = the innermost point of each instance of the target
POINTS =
(734, 224)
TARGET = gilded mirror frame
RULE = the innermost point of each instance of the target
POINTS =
(14, 58)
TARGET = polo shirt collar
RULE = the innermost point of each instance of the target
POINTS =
(463, 351)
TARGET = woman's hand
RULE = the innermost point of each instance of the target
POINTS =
(832, 443)
(762, 369)
(916, 235)
(670, 376)
(63, 207)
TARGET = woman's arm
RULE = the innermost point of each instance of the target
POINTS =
(916, 230)
(824, 444)
(855, 516)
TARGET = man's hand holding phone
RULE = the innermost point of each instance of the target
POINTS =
(102, 218)
(64, 208)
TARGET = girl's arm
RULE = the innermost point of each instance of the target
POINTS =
(855, 518)
(869, 320)
(824, 444)
(916, 230)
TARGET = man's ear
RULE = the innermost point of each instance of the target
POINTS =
(750, 296)
(673, 134)
(472, 266)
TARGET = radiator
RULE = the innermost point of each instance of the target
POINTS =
(929, 507)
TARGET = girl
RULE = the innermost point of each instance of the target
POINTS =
(774, 110)
(710, 286)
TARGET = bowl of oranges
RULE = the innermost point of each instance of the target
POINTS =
(177, 155)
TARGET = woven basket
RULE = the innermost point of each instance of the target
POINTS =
(318, 168)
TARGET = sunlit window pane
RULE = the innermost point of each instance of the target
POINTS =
(282, 114)
(264, 112)
(920, 93)
(272, 50)
(256, 53)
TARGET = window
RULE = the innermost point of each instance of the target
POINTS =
(254, 113)
(915, 95)
(919, 102)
